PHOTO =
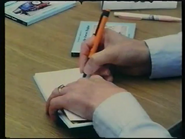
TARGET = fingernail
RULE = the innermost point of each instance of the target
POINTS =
(88, 70)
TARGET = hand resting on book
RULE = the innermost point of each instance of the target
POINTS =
(81, 97)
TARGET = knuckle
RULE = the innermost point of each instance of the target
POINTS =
(96, 77)
(52, 103)
(84, 43)
(81, 80)
(69, 85)
(93, 60)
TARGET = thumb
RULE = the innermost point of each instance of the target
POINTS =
(97, 60)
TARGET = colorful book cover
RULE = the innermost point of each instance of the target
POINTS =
(29, 12)
(87, 29)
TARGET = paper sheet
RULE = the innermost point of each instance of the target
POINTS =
(47, 81)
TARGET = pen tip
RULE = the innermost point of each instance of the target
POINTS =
(84, 75)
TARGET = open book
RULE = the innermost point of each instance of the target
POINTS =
(48, 81)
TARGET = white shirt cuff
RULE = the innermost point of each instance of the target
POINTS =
(166, 56)
(122, 116)
(112, 117)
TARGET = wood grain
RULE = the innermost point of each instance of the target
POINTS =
(45, 46)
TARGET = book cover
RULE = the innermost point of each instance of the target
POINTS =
(29, 12)
(87, 28)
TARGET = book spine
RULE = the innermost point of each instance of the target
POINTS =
(16, 20)
(75, 54)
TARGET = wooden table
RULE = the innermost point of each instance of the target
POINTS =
(45, 46)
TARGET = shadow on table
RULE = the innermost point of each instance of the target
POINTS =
(120, 78)
(82, 132)
(89, 132)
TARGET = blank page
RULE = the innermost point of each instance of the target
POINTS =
(48, 81)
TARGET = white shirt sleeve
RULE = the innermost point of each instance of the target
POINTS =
(166, 56)
(122, 116)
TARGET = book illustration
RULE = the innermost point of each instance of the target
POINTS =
(30, 6)
(25, 9)
(30, 12)
(31, 9)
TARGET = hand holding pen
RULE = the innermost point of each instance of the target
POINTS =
(98, 34)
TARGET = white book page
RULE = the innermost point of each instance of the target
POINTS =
(48, 81)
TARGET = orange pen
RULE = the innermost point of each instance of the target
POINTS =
(99, 33)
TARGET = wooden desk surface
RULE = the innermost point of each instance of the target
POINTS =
(45, 46)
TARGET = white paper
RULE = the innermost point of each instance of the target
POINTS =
(47, 81)
(70, 124)
(73, 117)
